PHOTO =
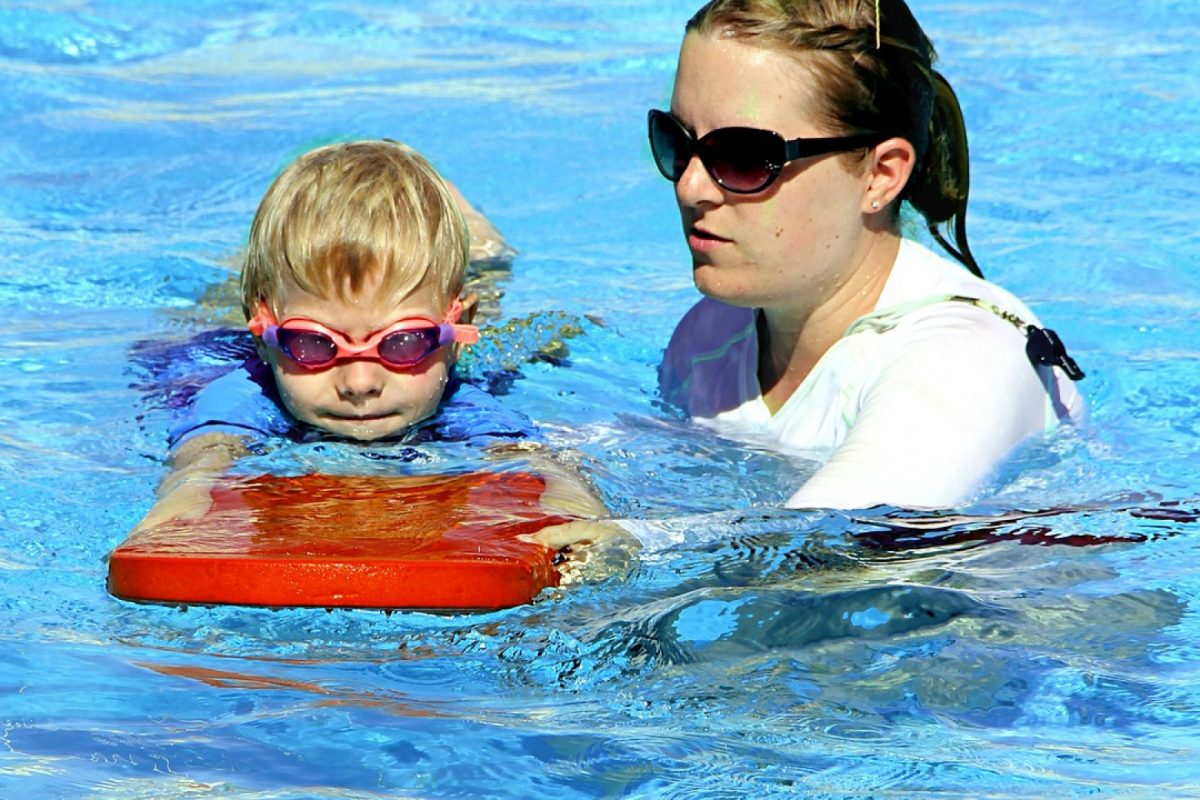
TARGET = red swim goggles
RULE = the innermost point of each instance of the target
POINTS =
(404, 343)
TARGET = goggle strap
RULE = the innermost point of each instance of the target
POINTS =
(465, 334)
(802, 148)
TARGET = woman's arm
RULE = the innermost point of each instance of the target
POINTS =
(957, 396)
(592, 546)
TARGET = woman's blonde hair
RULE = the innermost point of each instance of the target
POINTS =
(347, 212)
(875, 66)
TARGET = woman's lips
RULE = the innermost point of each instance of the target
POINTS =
(701, 240)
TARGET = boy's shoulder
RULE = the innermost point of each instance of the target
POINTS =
(469, 414)
(242, 401)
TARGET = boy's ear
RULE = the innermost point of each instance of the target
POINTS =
(470, 302)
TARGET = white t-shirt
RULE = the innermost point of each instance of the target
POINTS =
(912, 407)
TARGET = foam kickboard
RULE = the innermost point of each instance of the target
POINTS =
(443, 542)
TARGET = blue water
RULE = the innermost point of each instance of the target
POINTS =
(769, 653)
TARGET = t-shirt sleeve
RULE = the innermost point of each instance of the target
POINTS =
(710, 363)
(235, 403)
(954, 396)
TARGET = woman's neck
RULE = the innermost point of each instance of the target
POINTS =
(793, 338)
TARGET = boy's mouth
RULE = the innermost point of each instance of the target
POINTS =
(361, 417)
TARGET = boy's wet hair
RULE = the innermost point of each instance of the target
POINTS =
(344, 213)
(875, 67)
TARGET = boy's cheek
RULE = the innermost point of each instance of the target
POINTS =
(292, 392)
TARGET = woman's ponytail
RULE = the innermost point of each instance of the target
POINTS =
(942, 182)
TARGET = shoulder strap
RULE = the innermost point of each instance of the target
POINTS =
(1042, 345)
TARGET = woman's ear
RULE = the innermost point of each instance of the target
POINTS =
(892, 164)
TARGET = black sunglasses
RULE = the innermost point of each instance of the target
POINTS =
(741, 160)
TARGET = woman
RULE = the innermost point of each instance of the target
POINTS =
(797, 129)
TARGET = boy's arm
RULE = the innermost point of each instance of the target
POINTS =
(185, 493)
(487, 243)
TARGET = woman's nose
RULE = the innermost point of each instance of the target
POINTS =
(696, 187)
(360, 379)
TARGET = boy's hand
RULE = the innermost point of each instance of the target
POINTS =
(184, 501)
(186, 491)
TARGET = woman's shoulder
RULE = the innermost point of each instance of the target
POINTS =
(712, 352)
(954, 326)
(710, 326)
(920, 275)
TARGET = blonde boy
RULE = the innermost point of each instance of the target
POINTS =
(351, 286)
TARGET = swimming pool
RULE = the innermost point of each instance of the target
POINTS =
(769, 653)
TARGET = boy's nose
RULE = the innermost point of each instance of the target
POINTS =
(360, 379)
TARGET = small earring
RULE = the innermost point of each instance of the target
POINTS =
(874, 204)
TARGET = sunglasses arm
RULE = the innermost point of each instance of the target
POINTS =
(804, 148)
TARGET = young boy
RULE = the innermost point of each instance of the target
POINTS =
(351, 286)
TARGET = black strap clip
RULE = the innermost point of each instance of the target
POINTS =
(1045, 348)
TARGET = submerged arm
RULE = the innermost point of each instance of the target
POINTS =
(196, 464)
(487, 243)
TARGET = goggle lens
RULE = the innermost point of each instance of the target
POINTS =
(404, 348)
(310, 348)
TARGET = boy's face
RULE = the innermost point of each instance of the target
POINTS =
(361, 398)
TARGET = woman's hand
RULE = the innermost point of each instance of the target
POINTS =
(588, 549)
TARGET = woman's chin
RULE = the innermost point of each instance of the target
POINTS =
(715, 284)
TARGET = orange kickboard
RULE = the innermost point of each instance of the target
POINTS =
(443, 542)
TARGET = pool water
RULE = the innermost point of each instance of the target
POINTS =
(764, 653)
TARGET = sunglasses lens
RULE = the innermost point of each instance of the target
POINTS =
(742, 159)
(408, 347)
(307, 347)
(670, 144)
